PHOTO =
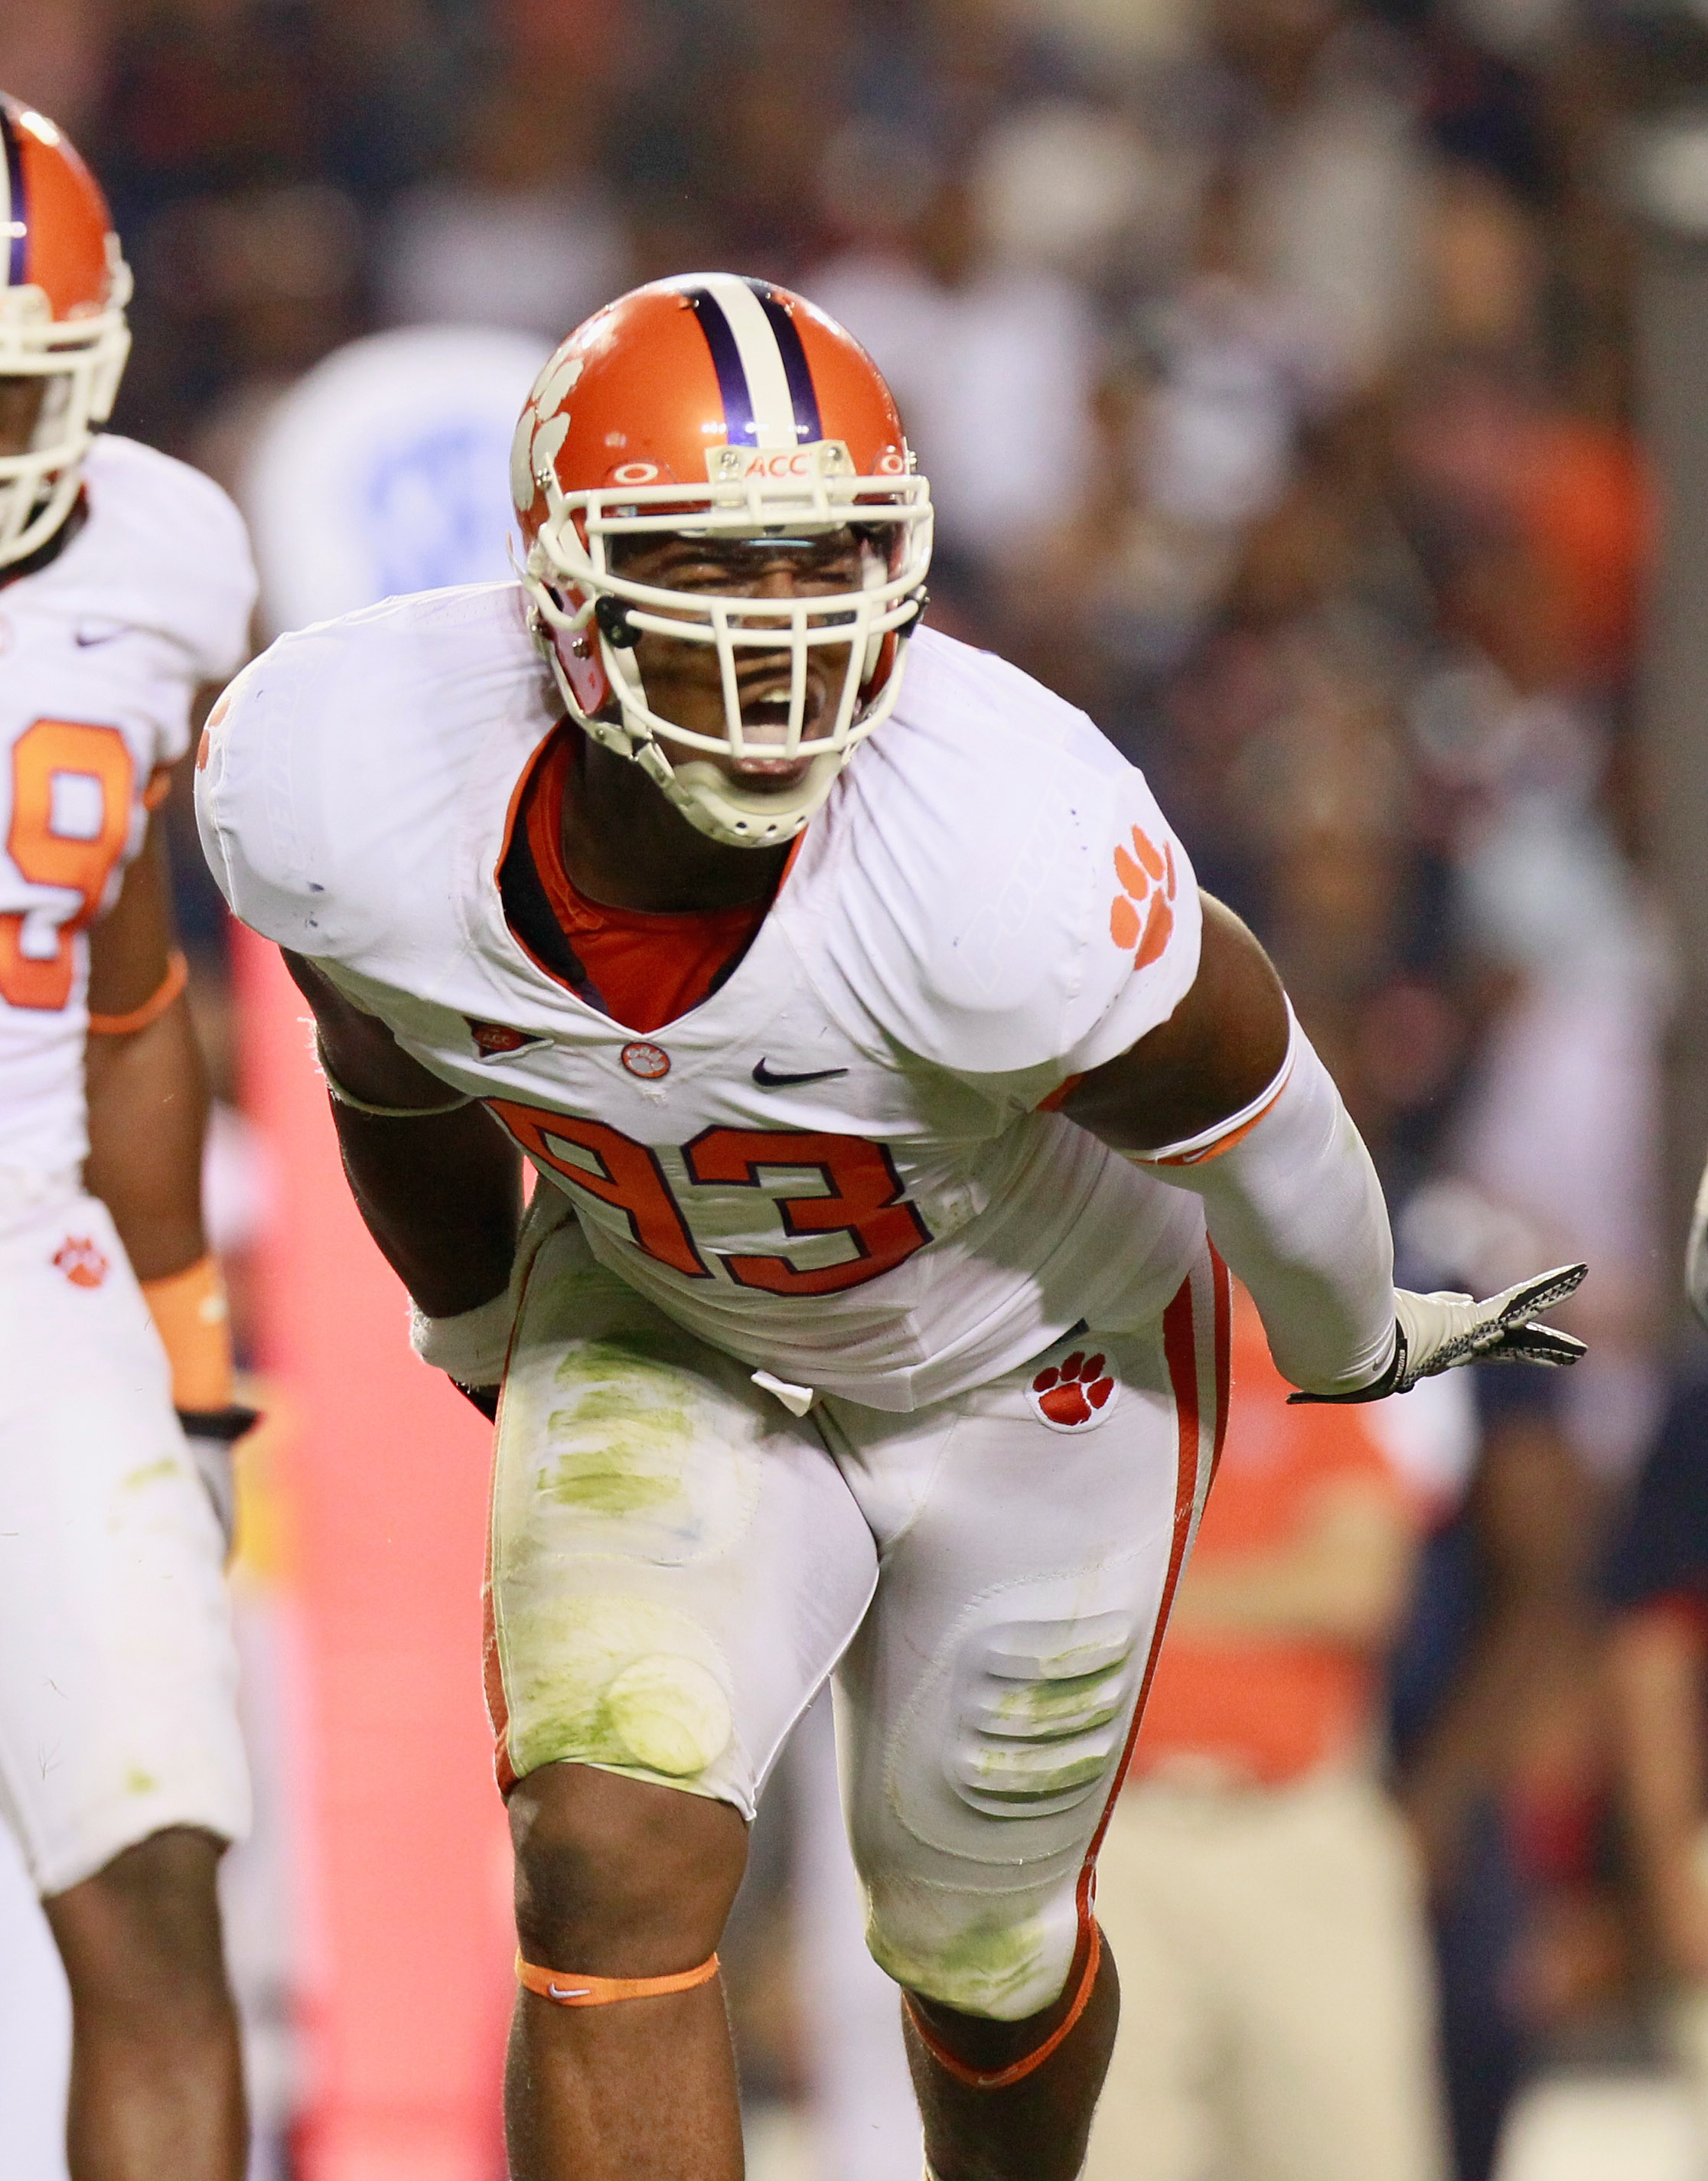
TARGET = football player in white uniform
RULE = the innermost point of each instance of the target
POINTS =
(124, 584)
(883, 1072)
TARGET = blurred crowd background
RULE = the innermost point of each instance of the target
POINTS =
(1275, 364)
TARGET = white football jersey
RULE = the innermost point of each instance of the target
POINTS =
(100, 653)
(834, 1167)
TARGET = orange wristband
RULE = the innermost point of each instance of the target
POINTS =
(164, 993)
(191, 1316)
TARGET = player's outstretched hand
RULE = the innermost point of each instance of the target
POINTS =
(1439, 1332)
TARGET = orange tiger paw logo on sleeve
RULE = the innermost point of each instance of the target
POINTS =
(1142, 915)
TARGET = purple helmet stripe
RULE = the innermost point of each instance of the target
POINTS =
(802, 394)
(17, 212)
(726, 360)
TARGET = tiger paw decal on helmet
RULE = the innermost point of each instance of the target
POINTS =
(1074, 1392)
(1142, 915)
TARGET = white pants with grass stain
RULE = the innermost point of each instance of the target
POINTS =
(678, 1564)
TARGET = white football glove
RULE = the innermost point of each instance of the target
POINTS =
(1436, 1332)
(1696, 1253)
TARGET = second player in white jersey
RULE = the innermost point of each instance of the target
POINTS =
(124, 584)
(102, 652)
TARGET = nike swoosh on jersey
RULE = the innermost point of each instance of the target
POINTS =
(87, 638)
(767, 1081)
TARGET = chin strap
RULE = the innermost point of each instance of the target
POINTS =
(1000, 2078)
(564, 1990)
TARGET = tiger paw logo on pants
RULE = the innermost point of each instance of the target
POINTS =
(1074, 1392)
(81, 1261)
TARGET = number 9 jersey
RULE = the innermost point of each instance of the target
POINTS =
(102, 646)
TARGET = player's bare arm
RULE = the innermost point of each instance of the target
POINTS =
(437, 1183)
(1220, 1049)
(147, 1092)
(147, 1084)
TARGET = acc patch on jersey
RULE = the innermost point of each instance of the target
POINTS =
(1074, 1393)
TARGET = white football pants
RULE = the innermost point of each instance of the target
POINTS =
(678, 1564)
(117, 1672)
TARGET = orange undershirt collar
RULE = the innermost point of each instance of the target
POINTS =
(648, 968)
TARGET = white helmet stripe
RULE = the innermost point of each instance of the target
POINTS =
(761, 359)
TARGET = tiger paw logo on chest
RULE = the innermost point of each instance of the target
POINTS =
(651, 1062)
(1142, 915)
(82, 1263)
(1075, 1392)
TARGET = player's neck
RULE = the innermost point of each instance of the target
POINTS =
(49, 550)
(626, 846)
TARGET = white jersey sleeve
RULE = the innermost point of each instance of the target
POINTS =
(1012, 903)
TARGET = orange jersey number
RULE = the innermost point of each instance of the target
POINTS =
(613, 1169)
(71, 794)
(863, 1197)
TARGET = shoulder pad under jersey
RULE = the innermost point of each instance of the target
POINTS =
(1007, 896)
(336, 772)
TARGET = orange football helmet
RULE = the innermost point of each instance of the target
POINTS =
(709, 406)
(64, 287)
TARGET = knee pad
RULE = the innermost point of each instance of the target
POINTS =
(1041, 1710)
(1011, 1740)
(993, 1784)
(626, 1682)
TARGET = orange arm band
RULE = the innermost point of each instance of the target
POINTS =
(190, 1314)
(164, 993)
(563, 1989)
